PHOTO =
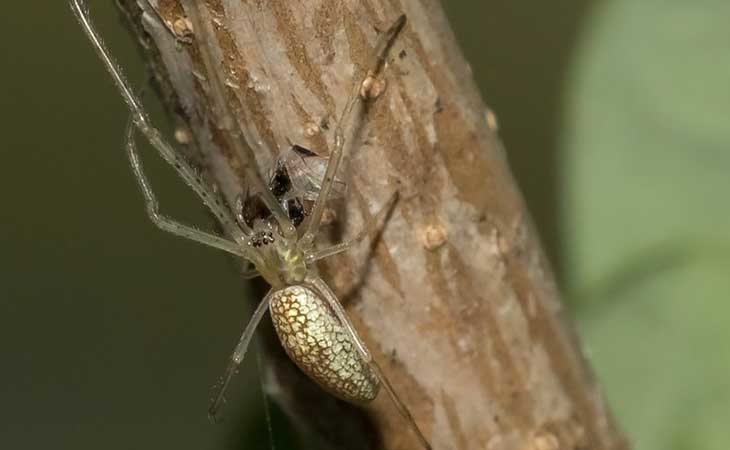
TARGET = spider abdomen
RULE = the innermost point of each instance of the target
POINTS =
(320, 346)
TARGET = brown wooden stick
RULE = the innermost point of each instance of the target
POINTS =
(456, 300)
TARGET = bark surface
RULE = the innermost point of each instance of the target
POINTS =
(454, 299)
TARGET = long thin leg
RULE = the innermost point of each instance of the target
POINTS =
(140, 119)
(264, 396)
(237, 356)
(228, 122)
(250, 273)
(164, 222)
(344, 246)
(339, 311)
(400, 406)
(353, 108)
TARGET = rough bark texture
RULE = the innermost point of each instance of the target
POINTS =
(455, 299)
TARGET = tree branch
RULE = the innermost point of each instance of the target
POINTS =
(455, 301)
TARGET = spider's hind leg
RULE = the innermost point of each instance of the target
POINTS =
(339, 311)
(237, 356)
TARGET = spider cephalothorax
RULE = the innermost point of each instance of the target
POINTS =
(280, 260)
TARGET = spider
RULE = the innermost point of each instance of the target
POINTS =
(312, 325)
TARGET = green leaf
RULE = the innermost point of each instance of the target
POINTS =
(646, 217)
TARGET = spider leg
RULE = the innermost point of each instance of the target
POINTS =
(227, 121)
(142, 122)
(353, 109)
(164, 222)
(400, 406)
(369, 226)
(250, 273)
(339, 311)
(237, 356)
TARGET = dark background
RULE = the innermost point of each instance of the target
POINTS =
(111, 332)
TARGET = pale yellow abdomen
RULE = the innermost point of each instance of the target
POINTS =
(320, 346)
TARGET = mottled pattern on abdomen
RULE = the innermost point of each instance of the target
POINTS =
(316, 341)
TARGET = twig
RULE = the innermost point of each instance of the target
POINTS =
(456, 300)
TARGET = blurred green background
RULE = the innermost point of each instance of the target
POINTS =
(616, 119)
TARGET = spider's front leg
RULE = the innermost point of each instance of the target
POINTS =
(365, 90)
(161, 221)
(166, 151)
